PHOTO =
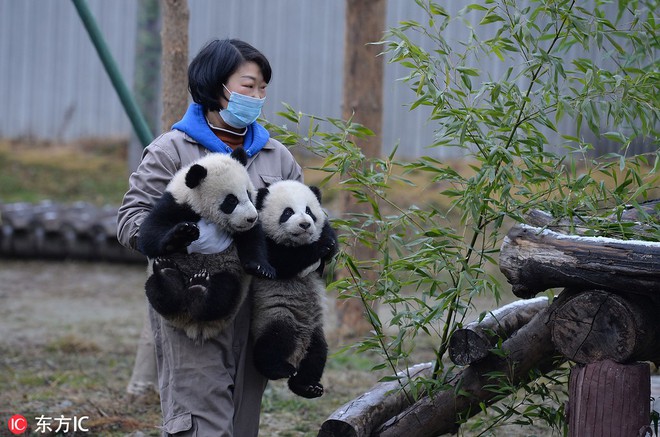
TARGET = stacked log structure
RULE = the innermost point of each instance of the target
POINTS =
(604, 320)
(54, 231)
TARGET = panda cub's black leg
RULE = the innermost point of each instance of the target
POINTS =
(213, 297)
(165, 287)
(307, 382)
(273, 348)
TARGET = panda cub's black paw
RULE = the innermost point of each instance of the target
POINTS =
(199, 282)
(327, 248)
(181, 236)
(265, 271)
(166, 267)
(309, 391)
(197, 294)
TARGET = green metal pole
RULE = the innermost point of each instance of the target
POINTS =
(131, 108)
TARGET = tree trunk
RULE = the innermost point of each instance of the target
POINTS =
(534, 260)
(360, 416)
(608, 399)
(174, 69)
(363, 103)
(595, 325)
(474, 342)
(530, 347)
(363, 69)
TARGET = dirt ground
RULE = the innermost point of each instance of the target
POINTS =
(68, 333)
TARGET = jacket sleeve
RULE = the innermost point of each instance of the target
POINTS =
(146, 184)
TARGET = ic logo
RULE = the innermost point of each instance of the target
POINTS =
(17, 424)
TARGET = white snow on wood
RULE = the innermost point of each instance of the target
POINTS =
(590, 240)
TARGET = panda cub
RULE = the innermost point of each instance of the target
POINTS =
(287, 313)
(201, 293)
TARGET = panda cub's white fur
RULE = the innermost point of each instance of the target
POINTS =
(287, 313)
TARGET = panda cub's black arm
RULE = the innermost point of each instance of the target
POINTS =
(169, 228)
(252, 252)
(328, 246)
(328, 243)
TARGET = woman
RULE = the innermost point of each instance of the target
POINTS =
(211, 389)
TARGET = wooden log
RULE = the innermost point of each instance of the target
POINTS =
(534, 260)
(530, 347)
(629, 218)
(595, 325)
(360, 416)
(608, 399)
(542, 219)
(474, 342)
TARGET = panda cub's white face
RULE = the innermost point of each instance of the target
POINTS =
(291, 214)
(218, 188)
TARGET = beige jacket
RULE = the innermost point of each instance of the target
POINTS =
(174, 150)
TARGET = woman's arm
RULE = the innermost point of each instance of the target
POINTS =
(146, 185)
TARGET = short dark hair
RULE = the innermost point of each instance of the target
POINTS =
(213, 65)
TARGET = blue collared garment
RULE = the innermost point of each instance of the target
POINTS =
(194, 124)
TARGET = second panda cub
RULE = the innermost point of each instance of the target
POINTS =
(287, 314)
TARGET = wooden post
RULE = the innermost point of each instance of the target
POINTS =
(363, 103)
(609, 399)
(174, 70)
(363, 69)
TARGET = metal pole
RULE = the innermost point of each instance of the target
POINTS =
(131, 108)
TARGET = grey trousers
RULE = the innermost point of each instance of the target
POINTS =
(208, 389)
(144, 377)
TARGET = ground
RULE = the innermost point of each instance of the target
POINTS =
(68, 333)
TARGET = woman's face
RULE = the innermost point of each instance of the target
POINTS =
(247, 80)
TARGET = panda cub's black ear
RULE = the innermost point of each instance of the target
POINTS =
(240, 155)
(316, 192)
(195, 175)
(261, 195)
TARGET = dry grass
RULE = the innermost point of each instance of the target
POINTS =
(63, 172)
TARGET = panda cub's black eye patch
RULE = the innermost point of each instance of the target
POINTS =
(309, 213)
(229, 204)
(286, 215)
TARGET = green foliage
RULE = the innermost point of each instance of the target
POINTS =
(434, 259)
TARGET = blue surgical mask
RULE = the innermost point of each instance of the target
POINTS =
(241, 110)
